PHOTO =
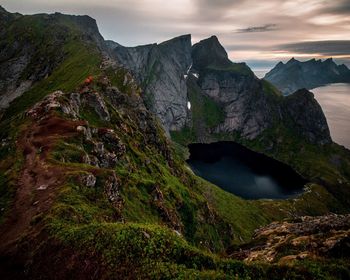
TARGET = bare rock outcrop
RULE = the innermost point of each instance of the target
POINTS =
(160, 69)
(305, 237)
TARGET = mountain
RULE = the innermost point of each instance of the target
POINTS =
(173, 73)
(92, 185)
(241, 104)
(161, 70)
(310, 74)
(30, 51)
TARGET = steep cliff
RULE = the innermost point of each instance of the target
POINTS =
(310, 74)
(306, 117)
(91, 187)
(32, 47)
(234, 87)
(249, 106)
(161, 71)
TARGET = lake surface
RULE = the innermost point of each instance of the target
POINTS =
(335, 102)
(243, 172)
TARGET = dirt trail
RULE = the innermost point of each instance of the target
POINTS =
(38, 181)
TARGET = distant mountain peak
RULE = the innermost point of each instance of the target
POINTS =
(292, 60)
(279, 64)
(310, 74)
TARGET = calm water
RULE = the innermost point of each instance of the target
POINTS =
(335, 102)
(260, 72)
(243, 172)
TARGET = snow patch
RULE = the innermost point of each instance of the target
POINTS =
(196, 75)
(189, 69)
(188, 105)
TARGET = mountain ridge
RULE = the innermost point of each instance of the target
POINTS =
(91, 184)
(309, 74)
(30, 52)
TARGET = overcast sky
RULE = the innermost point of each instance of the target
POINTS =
(260, 32)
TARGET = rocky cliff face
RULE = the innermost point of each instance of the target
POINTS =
(160, 70)
(233, 86)
(295, 75)
(91, 186)
(250, 105)
(30, 51)
(310, 122)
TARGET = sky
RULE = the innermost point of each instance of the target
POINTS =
(259, 32)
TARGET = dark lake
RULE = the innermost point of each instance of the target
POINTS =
(243, 172)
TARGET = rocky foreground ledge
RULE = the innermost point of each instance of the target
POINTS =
(302, 238)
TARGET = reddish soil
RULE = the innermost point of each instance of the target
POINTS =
(39, 180)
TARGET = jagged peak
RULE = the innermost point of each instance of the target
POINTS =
(329, 61)
(213, 38)
(279, 64)
(292, 60)
(343, 66)
(209, 52)
(185, 39)
(211, 41)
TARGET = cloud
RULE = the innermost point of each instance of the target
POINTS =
(210, 10)
(338, 7)
(326, 48)
(263, 28)
(241, 25)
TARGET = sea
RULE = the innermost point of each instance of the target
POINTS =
(335, 102)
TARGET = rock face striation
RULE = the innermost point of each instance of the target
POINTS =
(310, 74)
(161, 71)
(250, 105)
(234, 87)
(311, 122)
(185, 86)
(90, 184)
(172, 72)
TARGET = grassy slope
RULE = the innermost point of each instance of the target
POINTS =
(327, 167)
(80, 213)
(205, 114)
(79, 58)
(84, 219)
